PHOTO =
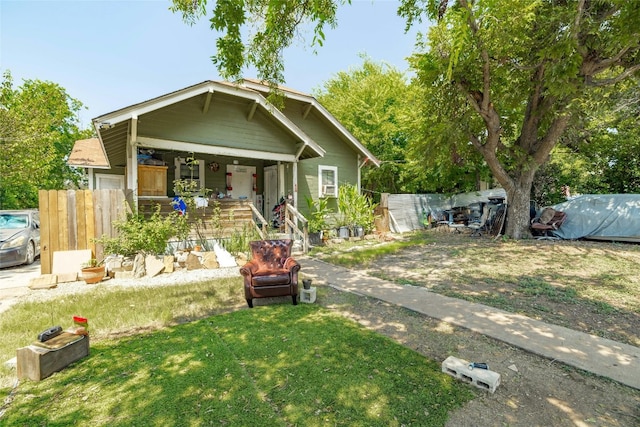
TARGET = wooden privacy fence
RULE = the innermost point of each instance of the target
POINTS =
(71, 219)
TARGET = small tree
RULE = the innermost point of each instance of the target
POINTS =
(137, 234)
(38, 127)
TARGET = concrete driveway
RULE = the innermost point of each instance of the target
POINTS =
(14, 281)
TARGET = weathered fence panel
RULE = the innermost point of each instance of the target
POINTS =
(71, 219)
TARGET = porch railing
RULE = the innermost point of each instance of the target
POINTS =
(262, 230)
(297, 225)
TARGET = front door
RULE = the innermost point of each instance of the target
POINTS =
(270, 191)
(242, 180)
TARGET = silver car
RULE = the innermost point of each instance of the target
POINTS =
(19, 237)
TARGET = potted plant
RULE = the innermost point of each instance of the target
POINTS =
(347, 209)
(356, 211)
(93, 271)
(318, 213)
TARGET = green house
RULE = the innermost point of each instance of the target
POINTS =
(246, 147)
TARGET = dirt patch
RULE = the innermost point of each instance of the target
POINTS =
(593, 287)
(539, 392)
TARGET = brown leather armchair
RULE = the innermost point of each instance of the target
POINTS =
(272, 272)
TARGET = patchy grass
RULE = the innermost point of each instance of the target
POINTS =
(362, 253)
(590, 286)
(274, 365)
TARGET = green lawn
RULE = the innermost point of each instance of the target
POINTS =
(274, 365)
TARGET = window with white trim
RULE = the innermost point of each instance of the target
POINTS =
(327, 181)
(190, 170)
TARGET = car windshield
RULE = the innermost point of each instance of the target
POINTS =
(13, 221)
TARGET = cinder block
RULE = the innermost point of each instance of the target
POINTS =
(481, 378)
(308, 295)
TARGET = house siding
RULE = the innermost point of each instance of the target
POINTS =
(338, 153)
(224, 125)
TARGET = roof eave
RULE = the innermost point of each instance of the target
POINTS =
(305, 98)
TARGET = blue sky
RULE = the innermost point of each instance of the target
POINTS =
(111, 54)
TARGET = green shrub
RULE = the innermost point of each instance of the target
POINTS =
(354, 209)
(139, 234)
(318, 214)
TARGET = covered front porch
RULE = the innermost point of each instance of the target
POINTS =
(229, 143)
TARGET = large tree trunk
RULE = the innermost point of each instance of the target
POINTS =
(518, 218)
(518, 189)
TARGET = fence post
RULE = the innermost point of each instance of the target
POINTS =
(382, 214)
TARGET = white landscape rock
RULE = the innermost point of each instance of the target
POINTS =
(225, 259)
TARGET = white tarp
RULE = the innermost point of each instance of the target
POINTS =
(601, 216)
(409, 211)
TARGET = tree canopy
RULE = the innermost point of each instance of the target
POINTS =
(370, 101)
(38, 126)
(379, 106)
(512, 83)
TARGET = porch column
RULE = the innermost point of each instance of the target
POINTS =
(281, 176)
(295, 184)
(91, 179)
(359, 174)
(132, 158)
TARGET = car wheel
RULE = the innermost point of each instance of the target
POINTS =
(31, 253)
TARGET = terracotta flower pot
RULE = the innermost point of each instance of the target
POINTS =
(93, 275)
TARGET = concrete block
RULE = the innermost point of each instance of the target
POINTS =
(481, 378)
(308, 295)
(124, 274)
(45, 281)
(114, 262)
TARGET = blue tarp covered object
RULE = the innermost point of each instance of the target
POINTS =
(613, 217)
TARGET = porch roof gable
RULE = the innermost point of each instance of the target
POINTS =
(309, 148)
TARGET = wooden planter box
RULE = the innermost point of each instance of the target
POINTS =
(40, 360)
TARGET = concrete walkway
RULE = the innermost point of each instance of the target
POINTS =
(607, 358)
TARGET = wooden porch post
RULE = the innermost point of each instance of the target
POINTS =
(281, 176)
(295, 184)
(132, 160)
